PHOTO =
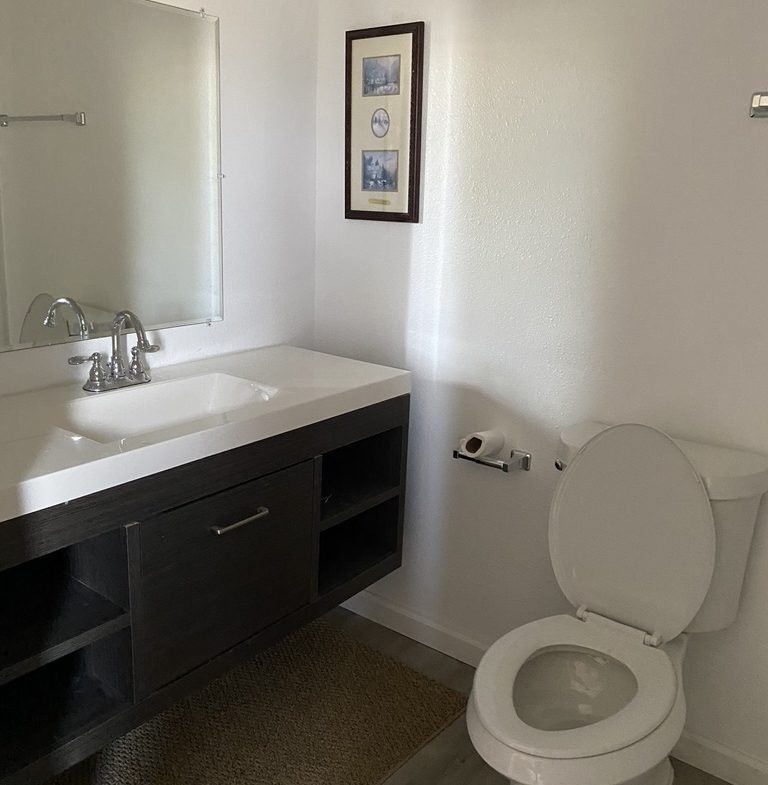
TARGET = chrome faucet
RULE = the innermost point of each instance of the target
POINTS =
(136, 373)
(68, 302)
(101, 379)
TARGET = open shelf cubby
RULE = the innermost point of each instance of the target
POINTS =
(360, 476)
(58, 702)
(350, 548)
(59, 603)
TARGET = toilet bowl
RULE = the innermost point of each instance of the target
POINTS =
(589, 704)
(597, 698)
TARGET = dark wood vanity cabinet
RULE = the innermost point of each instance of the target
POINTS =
(202, 592)
(115, 605)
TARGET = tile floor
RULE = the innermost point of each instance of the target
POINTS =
(450, 759)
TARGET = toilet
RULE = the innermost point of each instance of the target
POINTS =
(649, 539)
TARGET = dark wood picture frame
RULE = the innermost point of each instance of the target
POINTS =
(416, 75)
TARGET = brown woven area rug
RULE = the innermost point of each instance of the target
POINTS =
(319, 708)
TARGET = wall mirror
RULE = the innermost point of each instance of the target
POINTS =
(109, 167)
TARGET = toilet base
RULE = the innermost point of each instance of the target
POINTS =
(663, 774)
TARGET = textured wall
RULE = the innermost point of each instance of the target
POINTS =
(590, 249)
(268, 96)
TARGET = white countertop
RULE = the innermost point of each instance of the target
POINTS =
(43, 463)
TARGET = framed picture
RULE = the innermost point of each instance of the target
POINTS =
(383, 122)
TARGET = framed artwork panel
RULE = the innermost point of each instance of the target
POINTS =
(384, 75)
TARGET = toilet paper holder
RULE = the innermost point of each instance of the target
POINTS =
(519, 460)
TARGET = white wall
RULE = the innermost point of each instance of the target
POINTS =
(590, 248)
(268, 115)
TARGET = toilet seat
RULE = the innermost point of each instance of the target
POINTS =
(631, 532)
(494, 680)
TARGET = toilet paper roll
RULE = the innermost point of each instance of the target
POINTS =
(482, 444)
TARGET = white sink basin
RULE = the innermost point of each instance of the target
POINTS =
(162, 409)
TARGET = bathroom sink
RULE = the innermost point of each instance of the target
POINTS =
(163, 410)
(60, 443)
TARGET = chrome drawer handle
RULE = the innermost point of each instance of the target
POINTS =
(261, 512)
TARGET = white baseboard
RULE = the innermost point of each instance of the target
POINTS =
(408, 623)
(724, 762)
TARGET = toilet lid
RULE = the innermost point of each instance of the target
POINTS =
(631, 534)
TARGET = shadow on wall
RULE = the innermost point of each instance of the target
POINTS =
(477, 550)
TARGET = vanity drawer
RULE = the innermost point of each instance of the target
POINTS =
(218, 570)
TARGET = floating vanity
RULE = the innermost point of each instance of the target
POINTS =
(153, 537)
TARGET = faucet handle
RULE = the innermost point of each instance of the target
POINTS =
(80, 359)
(97, 378)
(137, 370)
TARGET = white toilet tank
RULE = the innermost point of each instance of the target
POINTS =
(735, 481)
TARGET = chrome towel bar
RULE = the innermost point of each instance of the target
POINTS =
(78, 118)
